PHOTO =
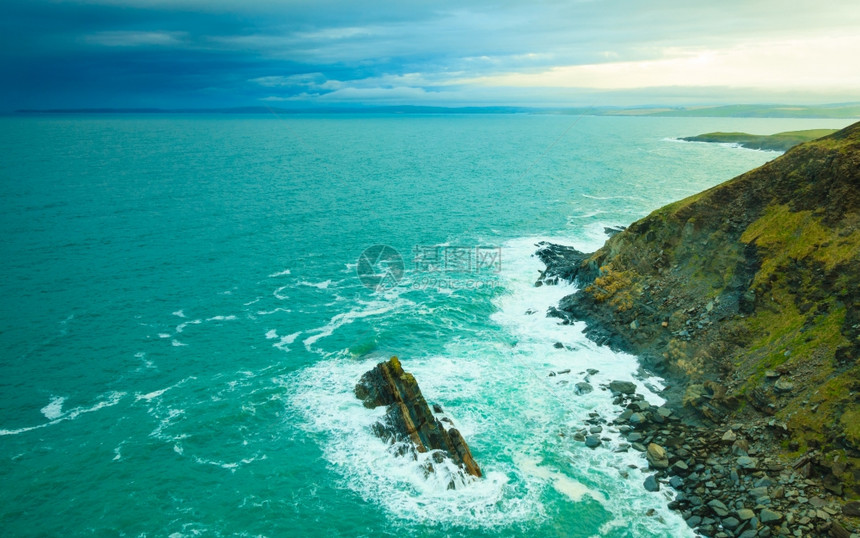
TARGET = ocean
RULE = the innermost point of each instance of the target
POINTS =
(186, 310)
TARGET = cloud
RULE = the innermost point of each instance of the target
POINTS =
(191, 52)
(136, 39)
(792, 64)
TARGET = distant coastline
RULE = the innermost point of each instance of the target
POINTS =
(831, 111)
(776, 142)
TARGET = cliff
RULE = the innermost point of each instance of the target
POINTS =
(747, 294)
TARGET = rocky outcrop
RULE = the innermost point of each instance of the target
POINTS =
(409, 420)
(562, 263)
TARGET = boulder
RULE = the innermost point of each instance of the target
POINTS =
(582, 388)
(409, 418)
(651, 483)
(656, 456)
(622, 387)
(592, 441)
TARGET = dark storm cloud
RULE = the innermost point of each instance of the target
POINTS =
(213, 53)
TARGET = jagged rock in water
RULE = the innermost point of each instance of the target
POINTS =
(409, 418)
(561, 262)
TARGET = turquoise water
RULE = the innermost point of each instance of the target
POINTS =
(182, 323)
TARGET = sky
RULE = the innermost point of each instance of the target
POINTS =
(328, 53)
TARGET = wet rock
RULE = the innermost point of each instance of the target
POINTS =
(729, 437)
(409, 417)
(582, 388)
(638, 419)
(561, 262)
(622, 387)
(592, 441)
(651, 483)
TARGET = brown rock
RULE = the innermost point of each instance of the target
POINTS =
(408, 416)
(656, 456)
(852, 509)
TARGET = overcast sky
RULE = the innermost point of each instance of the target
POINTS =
(203, 53)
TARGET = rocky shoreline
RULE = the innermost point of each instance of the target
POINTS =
(727, 479)
(745, 298)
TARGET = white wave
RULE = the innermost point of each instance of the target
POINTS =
(498, 392)
(179, 314)
(146, 362)
(54, 409)
(562, 483)
(230, 466)
(522, 312)
(588, 215)
(323, 396)
(272, 334)
(285, 272)
(177, 343)
(729, 145)
(278, 293)
(181, 326)
(275, 311)
(157, 393)
(249, 303)
(222, 318)
(367, 309)
(286, 341)
(604, 198)
(318, 285)
(109, 400)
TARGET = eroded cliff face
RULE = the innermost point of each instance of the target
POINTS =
(409, 421)
(749, 292)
